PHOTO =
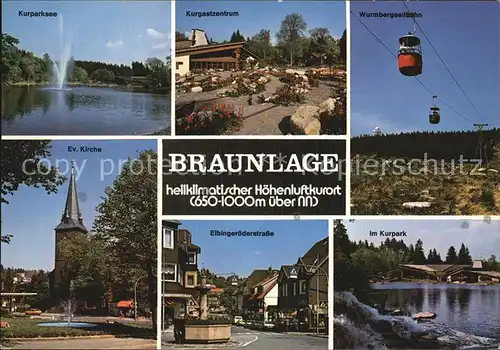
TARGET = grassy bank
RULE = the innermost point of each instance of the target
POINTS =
(24, 327)
(135, 88)
(449, 192)
(429, 281)
(165, 131)
(25, 83)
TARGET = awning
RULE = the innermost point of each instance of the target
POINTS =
(126, 304)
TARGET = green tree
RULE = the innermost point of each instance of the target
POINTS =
(180, 36)
(347, 275)
(90, 264)
(126, 218)
(20, 164)
(343, 47)
(79, 75)
(451, 256)
(103, 75)
(418, 256)
(290, 33)
(464, 257)
(260, 44)
(158, 71)
(47, 67)
(492, 263)
(10, 59)
(322, 44)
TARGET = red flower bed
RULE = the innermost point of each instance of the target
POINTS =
(215, 120)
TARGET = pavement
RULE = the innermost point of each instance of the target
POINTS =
(108, 343)
(257, 340)
(258, 119)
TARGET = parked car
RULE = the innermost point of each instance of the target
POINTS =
(238, 320)
(33, 312)
(258, 325)
(268, 326)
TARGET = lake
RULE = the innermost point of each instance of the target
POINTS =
(463, 311)
(82, 111)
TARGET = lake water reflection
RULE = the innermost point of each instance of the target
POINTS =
(83, 111)
(471, 309)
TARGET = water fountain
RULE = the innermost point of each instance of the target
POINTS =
(205, 330)
(60, 68)
(69, 307)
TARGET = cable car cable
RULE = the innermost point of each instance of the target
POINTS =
(421, 83)
(443, 62)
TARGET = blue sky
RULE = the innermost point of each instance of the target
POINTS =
(482, 238)
(32, 215)
(254, 16)
(241, 255)
(113, 31)
(467, 37)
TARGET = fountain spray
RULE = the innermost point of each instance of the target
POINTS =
(60, 68)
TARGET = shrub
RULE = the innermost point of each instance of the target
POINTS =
(291, 79)
(241, 87)
(287, 95)
(216, 121)
(488, 197)
(336, 123)
(312, 79)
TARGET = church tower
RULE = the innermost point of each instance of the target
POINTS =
(71, 222)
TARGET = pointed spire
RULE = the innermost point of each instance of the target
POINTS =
(72, 216)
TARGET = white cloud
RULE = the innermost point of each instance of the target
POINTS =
(114, 43)
(139, 35)
(152, 33)
(187, 33)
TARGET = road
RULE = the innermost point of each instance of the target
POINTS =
(255, 340)
(108, 343)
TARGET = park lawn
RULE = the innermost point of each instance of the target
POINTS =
(27, 328)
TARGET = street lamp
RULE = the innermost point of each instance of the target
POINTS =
(294, 275)
(135, 295)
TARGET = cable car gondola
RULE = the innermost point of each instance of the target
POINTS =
(410, 55)
(434, 117)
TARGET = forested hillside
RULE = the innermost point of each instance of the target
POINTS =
(426, 174)
(22, 67)
(437, 145)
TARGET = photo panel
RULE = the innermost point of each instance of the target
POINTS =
(245, 283)
(86, 68)
(249, 177)
(260, 68)
(425, 132)
(79, 243)
(416, 284)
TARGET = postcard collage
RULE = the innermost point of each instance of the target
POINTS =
(136, 141)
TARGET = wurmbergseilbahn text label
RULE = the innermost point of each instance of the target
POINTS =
(253, 177)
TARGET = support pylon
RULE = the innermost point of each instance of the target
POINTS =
(480, 146)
